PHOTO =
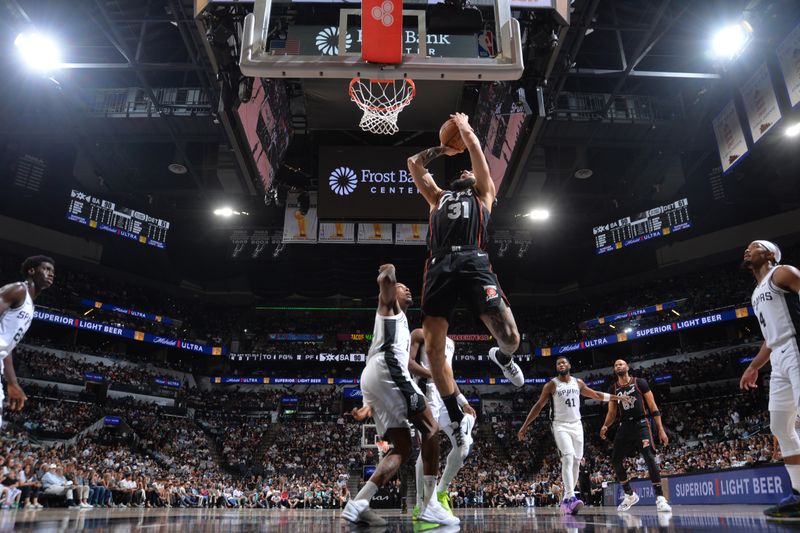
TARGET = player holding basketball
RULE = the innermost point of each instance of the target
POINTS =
(458, 452)
(777, 305)
(393, 399)
(16, 314)
(565, 413)
(458, 264)
(634, 433)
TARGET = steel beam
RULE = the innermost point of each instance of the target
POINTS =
(599, 72)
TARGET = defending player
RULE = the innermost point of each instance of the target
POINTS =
(16, 314)
(393, 399)
(565, 413)
(634, 434)
(460, 448)
(458, 264)
(777, 306)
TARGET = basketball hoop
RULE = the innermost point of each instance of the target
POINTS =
(381, 101)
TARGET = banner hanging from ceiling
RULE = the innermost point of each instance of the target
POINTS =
(730, 137)
(760, 103)
(411, 234)
(299, 228)
(339, 232)
(789, 59)
(375, 234)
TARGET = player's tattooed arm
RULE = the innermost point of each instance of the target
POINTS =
(424, 157)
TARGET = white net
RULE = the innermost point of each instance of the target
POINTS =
(381, 101)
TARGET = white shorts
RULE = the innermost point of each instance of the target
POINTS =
(391, 399)
(569, 438)
(784, 382)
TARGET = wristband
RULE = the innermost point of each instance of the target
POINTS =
(462, 400)
(606, 397)
(655, 413)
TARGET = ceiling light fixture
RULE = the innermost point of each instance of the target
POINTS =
(731, 40)
(539, 214)
(38, 51)
(793, 131)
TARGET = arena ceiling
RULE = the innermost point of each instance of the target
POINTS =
(616, 55)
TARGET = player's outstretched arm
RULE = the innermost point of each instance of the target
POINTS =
(483, 177)
(417, 165)
(544, 397)
(601, 396)
(387, 281)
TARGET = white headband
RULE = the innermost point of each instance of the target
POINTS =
(771, 247)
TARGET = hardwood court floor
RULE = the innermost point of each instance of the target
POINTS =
(516, 520)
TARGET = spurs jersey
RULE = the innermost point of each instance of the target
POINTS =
(431, 392)
(459, 219)
(566, 401)
(777, 310)
(13, 325)
(391, 340)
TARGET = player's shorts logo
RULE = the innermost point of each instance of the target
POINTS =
(343, 181)
(491, 292)
(327, 41)
(645, 443)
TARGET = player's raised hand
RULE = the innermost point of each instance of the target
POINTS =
(749, 378)
(461, 120)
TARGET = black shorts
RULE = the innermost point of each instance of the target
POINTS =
(631, 439)
(467, 274)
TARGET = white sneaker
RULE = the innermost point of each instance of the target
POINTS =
(358, 512)
(662, 506)
(627, 502)
(511, 371)
(435, 513)
(86, 505)
(462, 433)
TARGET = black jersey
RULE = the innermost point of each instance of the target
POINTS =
(636, 387)
(459, 219)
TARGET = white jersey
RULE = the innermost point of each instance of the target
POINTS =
(566, 401)
(13, 325)
(391, 340)
(777, 311)
(432, 393)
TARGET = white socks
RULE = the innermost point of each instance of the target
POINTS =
(367, 491)
(430, 487)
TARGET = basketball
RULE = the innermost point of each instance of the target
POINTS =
(450, 136)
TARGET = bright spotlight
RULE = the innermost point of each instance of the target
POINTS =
(628, 330)
(38, 51)
(731, 40)
(539, 214)
(224, 212)
(793, 131)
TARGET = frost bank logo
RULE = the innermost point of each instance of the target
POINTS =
(327, 41)
(343, 181)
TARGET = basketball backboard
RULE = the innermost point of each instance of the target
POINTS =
(504, 62)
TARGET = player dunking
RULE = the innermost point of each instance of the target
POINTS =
(393, 399)
(458, 452)
(16, 314)
(634, 434)
(458, 264)
(565, 412)
(777, 306)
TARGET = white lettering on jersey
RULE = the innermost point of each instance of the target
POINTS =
(566, 401)
(14, 323)
(772, 311)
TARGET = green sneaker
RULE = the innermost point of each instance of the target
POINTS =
(445, 501)
(415, 512)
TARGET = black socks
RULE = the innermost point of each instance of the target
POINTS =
(502, 357)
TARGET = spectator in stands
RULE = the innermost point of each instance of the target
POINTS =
(29, 485)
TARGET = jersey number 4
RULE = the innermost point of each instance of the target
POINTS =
(458, 209)
(761, 319)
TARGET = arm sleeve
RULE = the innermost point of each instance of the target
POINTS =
(643, 386)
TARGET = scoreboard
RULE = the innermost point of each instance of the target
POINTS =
(107, 216)
(655, 222)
